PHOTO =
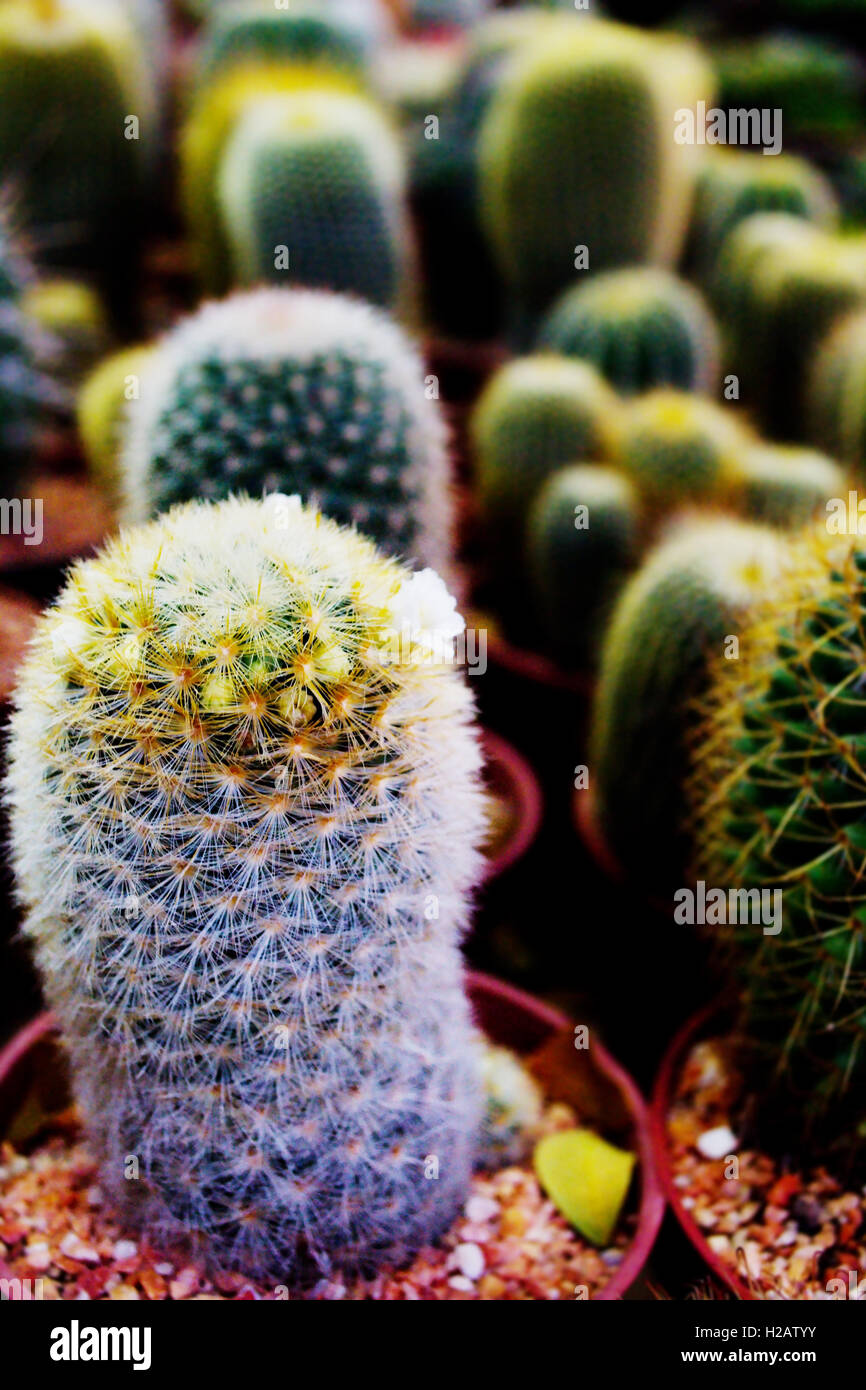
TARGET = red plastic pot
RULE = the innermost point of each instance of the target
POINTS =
(510, 777)
(711, 1021)
(31, 1063)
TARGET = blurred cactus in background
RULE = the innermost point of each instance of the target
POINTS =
(582, 538)
(277, 390)
(535, 415)
(245, 31)
(72, 313)
(786, 486)
(292, 802)
(817, 83)
(102, 410)
(78, 125)
(676, 448)
(513, 1110)
(26, 391)
(446, 14)
(836, 408)
(577, 151)
(688, 599)
(778, 796)
(641, 327)
(734, 184)
(312, 191)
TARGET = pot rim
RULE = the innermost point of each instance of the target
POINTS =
(651, 1203)
(529, 802)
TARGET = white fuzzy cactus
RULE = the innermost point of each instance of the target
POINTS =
(245, 839)
(299, 391)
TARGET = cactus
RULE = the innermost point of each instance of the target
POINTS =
(71, 73)
(836, 410)
(25, 348)
(582, 538)
(277, 389)
(736, 184)
(513, 1109)
(790, 288)
(777, 792)
(72, 314)
(689, 596)
(679, 448)
(244, 841)
(212, 120)
(817, 84)
(642, 327)
(242, 31)
(446, 14)
(536, 414)
(102, 406)
(786, 486)
(312, 189)
(576, 150)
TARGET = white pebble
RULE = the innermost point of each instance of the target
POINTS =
(164, 1269)
(73, 1246)
(461, 1284)
(481, 1209)
(470, 1260)
(125, 1249)
(718, 1142)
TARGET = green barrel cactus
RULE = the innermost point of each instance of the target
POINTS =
(535, 415)
(815, 82)
(244, 841)
(577, 151)
(582, 539)
(103, 402)
(836, 409)
(678, 448)
(786, 486)
(72, 314)
(276, 390)
(72, 77)
(253, 30)
(778, 797)
(682, 607)
(790, 283)
(642, 327)
(312, 190)
(734, 184)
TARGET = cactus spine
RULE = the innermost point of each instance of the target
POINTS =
(582, 538)
(642, 327)
(232, 809)
(778, 796)
(292, 389)
(690, 595)
(576, 150)
(312, 190)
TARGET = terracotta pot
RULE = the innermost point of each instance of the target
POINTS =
(711, 1021)
(30, 1065)
(75, 520)
(511, 779)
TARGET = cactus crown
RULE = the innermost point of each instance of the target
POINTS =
(679, 447)
(245, 824)
(778, 794)
(241, 32)
(279, 389)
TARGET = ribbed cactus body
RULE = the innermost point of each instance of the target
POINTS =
(642, 327)
(212, 120)
(786, 486)
(242, 31)
(71, 72)
(778, 796)
(816, 83)
(736, 184)
(679, 448)
(536, 415)
(577, 150)
(296, 391)
(582, 538)
(245, 829)
(791, 282)
(690, 594)
(836, 408)
(311, 191)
